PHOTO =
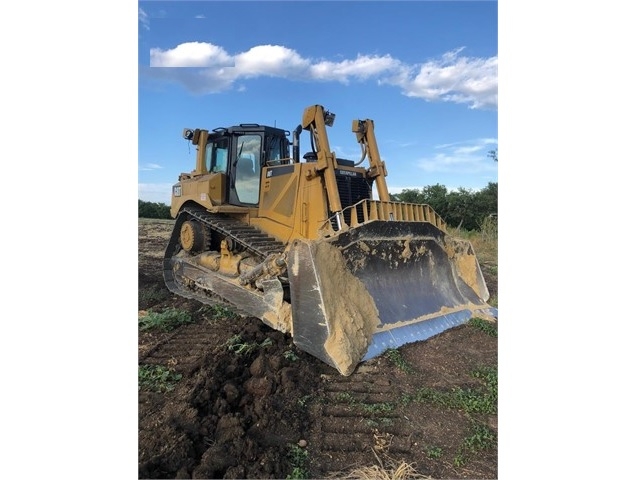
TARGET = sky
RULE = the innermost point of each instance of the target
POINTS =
(426, 73)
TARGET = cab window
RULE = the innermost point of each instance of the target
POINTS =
(274, 149)
(217, 155)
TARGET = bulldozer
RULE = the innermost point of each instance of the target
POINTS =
(302, 244)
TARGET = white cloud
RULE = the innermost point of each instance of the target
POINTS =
(269, 60)
(200, 16)
(460, 158)
(143, 18)
(155, 192)
(361, 68)
(473, 81)
(192, 54)
(450, 78)
(480, 141)
(150, 166)
(467, 150)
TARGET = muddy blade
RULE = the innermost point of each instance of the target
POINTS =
(380, 286)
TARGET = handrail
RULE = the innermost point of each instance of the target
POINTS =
(372, 210)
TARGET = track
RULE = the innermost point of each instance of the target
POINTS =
(243, 236)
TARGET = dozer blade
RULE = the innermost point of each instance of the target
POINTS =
(381, 285)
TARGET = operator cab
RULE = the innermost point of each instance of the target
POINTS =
(240, 152)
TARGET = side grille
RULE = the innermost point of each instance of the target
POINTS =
(352, 189)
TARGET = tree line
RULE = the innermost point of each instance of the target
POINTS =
(461, 208)
(153, 210)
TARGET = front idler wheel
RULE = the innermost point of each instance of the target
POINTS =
(193, 237)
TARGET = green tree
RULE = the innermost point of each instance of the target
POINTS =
(153, 210)
(409, 195)
(487, 200)
(436, 197)
(460, 208)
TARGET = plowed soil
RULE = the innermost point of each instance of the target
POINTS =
(250, 404)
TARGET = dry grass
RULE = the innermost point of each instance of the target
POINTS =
(486, 242)
(486, 250)
(389, 469)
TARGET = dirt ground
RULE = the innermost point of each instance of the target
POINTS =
(273, 411)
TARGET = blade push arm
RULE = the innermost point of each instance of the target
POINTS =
(364, 130)
(314, 119)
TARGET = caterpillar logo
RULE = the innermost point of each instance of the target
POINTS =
(348, 173)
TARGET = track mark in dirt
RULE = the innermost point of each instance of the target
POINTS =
(358, 416)
(182, 349)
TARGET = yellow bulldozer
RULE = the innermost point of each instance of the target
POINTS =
(302, 244)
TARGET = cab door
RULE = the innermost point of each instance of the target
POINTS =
(246, 169)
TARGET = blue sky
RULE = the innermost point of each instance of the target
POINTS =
(425, 72)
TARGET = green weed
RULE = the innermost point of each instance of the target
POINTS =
(240, 347)
(376, 408)
(433, 452)
(394, 355)
(473, 401)
(156, 378)
(150, 296)
(489, 376)
(290, 355)
(345, 397)
(482, 399)
(167, 320)
(370, 408)
(298, 458)
(382, 422)
(216, 312)
(297, 472)
(492, 269)
(459, 460)
(407, 398)
(481, 438)
(484, 326)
